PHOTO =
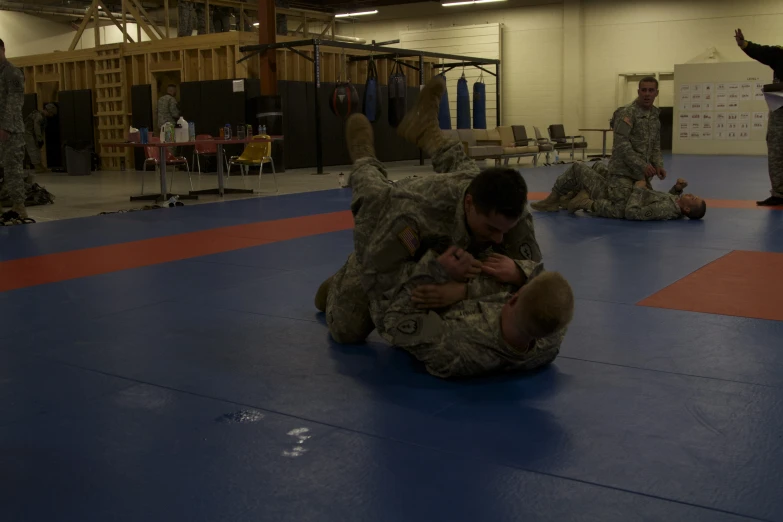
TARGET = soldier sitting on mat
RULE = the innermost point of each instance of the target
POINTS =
(403, 230)
(643, 204)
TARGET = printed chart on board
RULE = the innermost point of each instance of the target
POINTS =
(720, 108)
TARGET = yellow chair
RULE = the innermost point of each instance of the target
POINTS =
(256, 153)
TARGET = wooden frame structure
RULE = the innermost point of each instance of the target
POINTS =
(111, 70)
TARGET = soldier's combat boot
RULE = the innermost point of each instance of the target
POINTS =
(359, 137)
(322, 294)
(550, 204)
(581, 201)
(566, 199)
(420, 125)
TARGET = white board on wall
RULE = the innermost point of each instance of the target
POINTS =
(719, 108)
(480, 41)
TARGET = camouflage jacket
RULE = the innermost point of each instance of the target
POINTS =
(168, 110)
(465, 339)
(637, 141)
(652, 205)
(35, 124)
(11, 97)
(422, 215)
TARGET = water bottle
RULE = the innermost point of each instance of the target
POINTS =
(249, 130)
(557, 157)
(191, 131)
(227, 132)
(341, 180)
(263, 130)
(241, 132)
(260, 129)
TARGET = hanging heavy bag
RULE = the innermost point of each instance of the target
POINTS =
(345, 100)
(398, 89)
(463, 103)
(480, 104)
(372, 99)
(444, 112)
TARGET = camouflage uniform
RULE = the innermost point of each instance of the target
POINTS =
(772, 56)
(465, 339)
(34, 124)
(12, 150)
(652, 205)
(168, 110)
(201, 19)
(281, 20)
(347, 306)
(221, 19)
(187, 18)
(581, 177)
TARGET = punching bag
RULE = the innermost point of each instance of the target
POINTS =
(344, 100)
(444, 113)
(480, 104)
(463, 103)
(398, 88)
(372, 99)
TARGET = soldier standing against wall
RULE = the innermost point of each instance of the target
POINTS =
(12, 136)
(34, 125)
(187, 18)
(772, 57)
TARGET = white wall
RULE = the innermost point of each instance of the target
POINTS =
(617, 36)
(26, 34)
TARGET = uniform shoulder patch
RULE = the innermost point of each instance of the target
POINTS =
(627, 120)
(410, 239)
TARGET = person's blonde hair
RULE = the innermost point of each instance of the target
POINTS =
(546, 305)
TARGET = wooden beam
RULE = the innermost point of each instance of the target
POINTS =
(82, 27)
(166, 20)
(267, 34)
(145, 14)
(207, 17)
(132, 5)
(115, 22)
(96, 25)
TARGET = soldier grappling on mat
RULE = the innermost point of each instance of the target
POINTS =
(425, 231)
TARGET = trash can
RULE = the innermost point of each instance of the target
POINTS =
(78, 158)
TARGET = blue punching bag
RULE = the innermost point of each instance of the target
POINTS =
(463, 103)
(480, 104)
(372, 98)
(444, 114)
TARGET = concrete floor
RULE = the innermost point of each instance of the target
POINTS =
(109, 191)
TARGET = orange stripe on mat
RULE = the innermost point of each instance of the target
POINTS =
(711, 203)
(51, 268)
(741, 283)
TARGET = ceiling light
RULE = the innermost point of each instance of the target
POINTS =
(361, 13)
(470, 2)
(255, 24)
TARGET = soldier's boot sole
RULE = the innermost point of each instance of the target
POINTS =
(420, 125)
(322, 295)
(772, 201)
(21, 210)
(359, 137)
(581, 201)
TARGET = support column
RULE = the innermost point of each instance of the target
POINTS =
(573, 66)
(267, 34)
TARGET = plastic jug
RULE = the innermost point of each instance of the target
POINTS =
(181, 132)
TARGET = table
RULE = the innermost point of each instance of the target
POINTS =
(164, 195)
(604, 131)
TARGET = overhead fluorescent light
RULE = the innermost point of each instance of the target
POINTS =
(361, 13)
(470, 2)
(255, 24)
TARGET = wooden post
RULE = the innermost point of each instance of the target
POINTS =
(267, 34)
(166, 17)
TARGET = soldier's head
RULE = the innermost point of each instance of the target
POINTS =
(171, 89)
(544, 305)
(693, 207)
(2, 50)
(50, 110)
(494, 202)
(648, 91)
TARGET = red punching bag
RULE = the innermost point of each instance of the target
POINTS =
(344, 100)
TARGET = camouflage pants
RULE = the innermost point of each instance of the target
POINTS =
(451, 158)
(581, 177)
(347, 306)
(187, 19)
(32, 148)
(221, 20)
(11, 158)
(618, 191)
(775, 152)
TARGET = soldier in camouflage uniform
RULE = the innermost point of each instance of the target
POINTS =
(636, 152)
(772, 57)
(168, 109)
(12, 134)
(643, 204)
(201, 19)
(34, 125)
(425, 230)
